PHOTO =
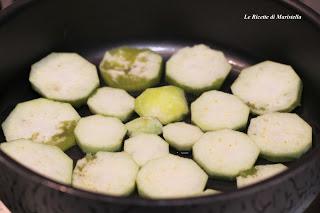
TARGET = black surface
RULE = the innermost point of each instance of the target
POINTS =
(35, 28)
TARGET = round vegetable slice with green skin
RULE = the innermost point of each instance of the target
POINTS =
(47, 160)
(106, 173)
(166, 103)
(280, 137)
(197, 69)
(112, 102)
(268, 87)
(171, 176)
(131, 69)
(65, 77)
(142, 125)
(181, 135)
(224, 154)
(99, 133)
(146, 147)
(215, 110)
(259, 173)
(43, 121)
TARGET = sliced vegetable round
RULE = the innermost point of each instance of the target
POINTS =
(197, 69)
(281, 136)
(98, 133)
(215, 110)
(225, 153)
(166, 103)
(181, 135)
(130, 68)
(44, 159)
(259, 173)
(146, 147)
(107, 173)
(171, 177)
(43, 121)
(64, 77)
(268, 87)
(147, 125)
(112, 102)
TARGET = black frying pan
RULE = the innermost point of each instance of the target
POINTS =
(31, 29)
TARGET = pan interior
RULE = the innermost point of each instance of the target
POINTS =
(20, 90)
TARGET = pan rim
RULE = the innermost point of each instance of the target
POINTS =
(312, 17)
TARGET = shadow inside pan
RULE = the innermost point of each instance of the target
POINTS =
(21, 91)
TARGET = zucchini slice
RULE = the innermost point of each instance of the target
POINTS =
(166, 103)
(47, 160)
(98, 133)
(215, 110)
(181, 135)
(106, 173)
(65, 77)
(43, 121)
(147, 125)
(146, 147)
(131, 69)
(280, 137)
(171, 176)
(268, 87)
(197, 69)
(224, 154)
(112, 102)
(259, 173)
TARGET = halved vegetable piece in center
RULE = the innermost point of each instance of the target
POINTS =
(98, 133)
(107, 173)
(281, 136)
(146, 147)
(181, 135)
(130, 68)
(149, 125)
(215, 110)
(64, 77)
(259, 173)
(197, 69)
(171, 177)
(112, 102)
(225, 153)
(167, 103)
(44, 159)
(268, 87)
(43, 121)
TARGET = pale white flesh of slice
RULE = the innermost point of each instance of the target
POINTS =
(225, 154)
(112, 102)
(66, 77)
(215, 110)
(146, 147)
(197, 69)
(268, 87)
(99, 133)
(259, 173)
(47, 160)
(281, 136)
(43, 121)
(181, 135)
(107, 173)
(171, 176)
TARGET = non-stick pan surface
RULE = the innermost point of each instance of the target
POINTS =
(32, 30)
